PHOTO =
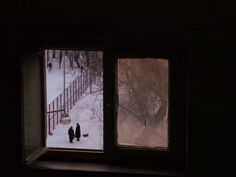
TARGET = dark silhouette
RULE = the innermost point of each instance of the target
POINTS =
(77, 62)
(85, 135)
(81, 68)
(50, 66)
(71, 134)
(77, 131)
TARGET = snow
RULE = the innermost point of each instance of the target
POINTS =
(55, 79)
(89, 124)
(81, 113)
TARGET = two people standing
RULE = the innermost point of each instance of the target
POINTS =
(73, 134)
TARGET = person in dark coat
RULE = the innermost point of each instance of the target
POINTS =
(71, 134)
(77, 131)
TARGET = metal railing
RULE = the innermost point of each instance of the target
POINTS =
(71, 94)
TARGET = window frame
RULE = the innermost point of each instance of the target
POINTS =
(176, 156)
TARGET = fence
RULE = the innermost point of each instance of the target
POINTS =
(71, 94)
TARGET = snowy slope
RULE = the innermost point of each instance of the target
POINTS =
(55, 79)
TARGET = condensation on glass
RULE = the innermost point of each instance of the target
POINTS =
(74, 91)
(142, 118)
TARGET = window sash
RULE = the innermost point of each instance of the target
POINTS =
(33, 107)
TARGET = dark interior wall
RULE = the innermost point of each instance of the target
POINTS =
(211, 104)
(206, 29)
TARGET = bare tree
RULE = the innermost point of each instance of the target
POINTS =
(143, 89)
(95, 66)
(96, 106)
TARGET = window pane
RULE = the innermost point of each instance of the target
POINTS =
(32, 105)
(74, 96)
(143, 102)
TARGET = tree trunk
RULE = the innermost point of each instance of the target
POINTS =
(160, 115)
(60, 58)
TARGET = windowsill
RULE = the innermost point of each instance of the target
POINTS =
(102, 168)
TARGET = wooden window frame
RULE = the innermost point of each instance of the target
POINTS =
(176, 155)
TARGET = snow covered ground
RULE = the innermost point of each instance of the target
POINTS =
(55, 79)
(82, 113)
(88, 123)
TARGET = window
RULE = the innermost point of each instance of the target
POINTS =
(142, 119)
(126, 68)
(141, 92)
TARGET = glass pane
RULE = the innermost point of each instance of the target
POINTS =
(32, 105)
(143, 102)
(74, 99)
